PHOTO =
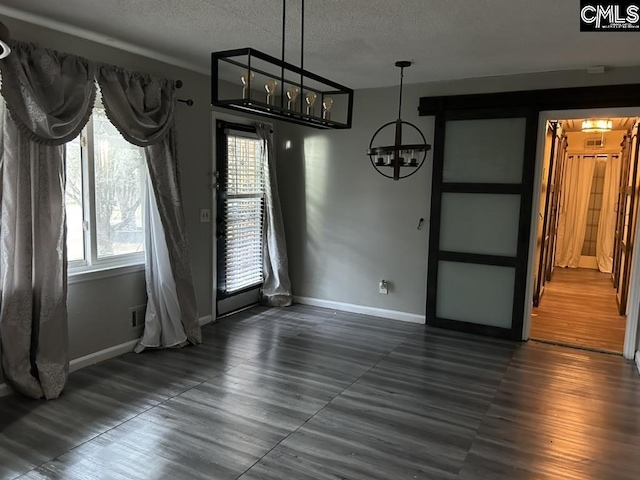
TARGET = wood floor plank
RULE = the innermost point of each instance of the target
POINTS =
(560, 413)
(308, 393)
(579, 308)
(414, 415)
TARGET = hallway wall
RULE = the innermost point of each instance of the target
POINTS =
(612, 141)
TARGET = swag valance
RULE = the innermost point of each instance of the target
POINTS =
(50, 96)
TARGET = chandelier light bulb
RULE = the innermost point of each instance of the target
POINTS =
(292, 95)
(246, 78)
(327, 104)
(270, 87)
(311, 99)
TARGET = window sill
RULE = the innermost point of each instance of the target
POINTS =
(84, 274)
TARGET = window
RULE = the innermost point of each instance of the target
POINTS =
(106, 182)
(241, 158)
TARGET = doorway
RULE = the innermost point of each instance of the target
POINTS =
(480, 267)
(586, 233)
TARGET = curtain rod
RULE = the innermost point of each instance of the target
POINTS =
(188, 101)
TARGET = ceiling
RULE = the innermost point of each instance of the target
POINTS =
(354, 42)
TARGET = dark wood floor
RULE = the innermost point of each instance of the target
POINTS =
(579, 308)
(305, 393)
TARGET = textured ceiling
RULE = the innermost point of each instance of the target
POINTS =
(356, 42)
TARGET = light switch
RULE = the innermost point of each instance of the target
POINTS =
(205, 215)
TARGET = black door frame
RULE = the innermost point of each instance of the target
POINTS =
(502, 105)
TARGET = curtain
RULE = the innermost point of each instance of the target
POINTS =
(142, 108)
(162, 320)
(276, 288)
(607, 221)
(572, 225)
(49, 96)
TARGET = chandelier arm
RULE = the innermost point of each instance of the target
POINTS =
(396, 152)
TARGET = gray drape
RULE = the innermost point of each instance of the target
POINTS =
(276, 288)
(142, 109)
(49, 96)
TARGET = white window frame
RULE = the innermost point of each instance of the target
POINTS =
(92, 262)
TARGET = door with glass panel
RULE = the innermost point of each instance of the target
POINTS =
(556, 205)
(548, 209)
(628, 211)
(480, 221)
(621, 208)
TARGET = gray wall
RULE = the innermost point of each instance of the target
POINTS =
(347, 227)
(99, 309)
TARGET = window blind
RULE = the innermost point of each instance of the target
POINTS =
(243, 212)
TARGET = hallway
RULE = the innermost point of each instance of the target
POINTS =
(579, 308)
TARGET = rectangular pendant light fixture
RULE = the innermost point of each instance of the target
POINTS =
(251, 81)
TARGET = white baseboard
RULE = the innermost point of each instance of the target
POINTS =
(102, 355)
(350, 307)
(638, 361)
(97, 357)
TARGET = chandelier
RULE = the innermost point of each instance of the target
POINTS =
(5, 50)
(399, 160)
(595, 125)
(251, 81)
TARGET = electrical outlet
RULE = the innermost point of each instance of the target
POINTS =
(383, 288)
(205, 215)
(136, 316)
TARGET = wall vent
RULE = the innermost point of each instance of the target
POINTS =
(591, 143)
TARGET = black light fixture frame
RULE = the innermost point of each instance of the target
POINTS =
(303, 77)
(398, 162)
(279, 111)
